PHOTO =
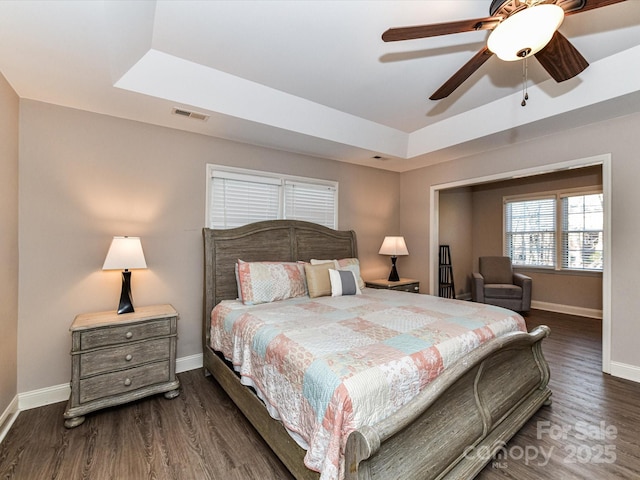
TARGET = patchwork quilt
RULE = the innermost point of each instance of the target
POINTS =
(329, 365)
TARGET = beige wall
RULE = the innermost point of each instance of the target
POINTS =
(455, 216)
(618, 137)
(8, 243)
(85, 177)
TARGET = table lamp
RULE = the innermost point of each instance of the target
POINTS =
(125, 253)
(393, 246)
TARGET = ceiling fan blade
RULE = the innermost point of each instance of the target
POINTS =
(579, 6)
(561, 59)
(433, 30)
(461, 75)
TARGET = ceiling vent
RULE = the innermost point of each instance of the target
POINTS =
(187, 113)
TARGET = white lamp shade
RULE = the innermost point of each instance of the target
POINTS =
(528, 30)
(125, 253)
(393, 246)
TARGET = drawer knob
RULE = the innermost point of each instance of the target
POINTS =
(127, 382)
(128, 335)
(128, 357)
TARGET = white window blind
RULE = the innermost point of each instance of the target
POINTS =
(582, 231)
(530, 232)
(313, 203)
(237, 197)
(237, 200)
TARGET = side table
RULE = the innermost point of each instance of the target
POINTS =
(403, 285)
(120, 358)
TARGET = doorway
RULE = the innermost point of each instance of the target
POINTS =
(605, 162)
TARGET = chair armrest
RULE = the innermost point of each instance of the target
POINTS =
(520, 279)
(524, 282)
(477, 287)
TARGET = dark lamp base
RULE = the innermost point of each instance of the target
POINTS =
(125, 295)
(393, 275)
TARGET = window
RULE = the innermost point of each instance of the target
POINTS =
(561, 230)
(531, 232)
(236, 197)
(310, 202)
(582, 236)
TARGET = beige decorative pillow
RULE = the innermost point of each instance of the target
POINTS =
(315, 261)
(352, 264)
(318, 281)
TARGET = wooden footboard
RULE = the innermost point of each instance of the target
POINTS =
(473, 408)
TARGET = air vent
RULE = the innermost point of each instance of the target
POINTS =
(186, 113)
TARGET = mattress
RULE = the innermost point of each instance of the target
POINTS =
(329, 365)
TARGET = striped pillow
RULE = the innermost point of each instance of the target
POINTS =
(343, 282)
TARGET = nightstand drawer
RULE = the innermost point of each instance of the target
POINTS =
(412, 287)
(125, 356)
(122, 382)
(100, 337)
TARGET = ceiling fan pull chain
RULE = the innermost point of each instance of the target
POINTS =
(525, 74)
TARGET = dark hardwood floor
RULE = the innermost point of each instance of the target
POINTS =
(591, 430)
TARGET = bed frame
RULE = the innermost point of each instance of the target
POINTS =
(472, 408)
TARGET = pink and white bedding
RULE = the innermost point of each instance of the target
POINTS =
(328, 365)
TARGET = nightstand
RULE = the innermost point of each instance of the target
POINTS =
(119, 358)
(403, 285)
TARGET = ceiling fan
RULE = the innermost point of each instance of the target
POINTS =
(519, 29)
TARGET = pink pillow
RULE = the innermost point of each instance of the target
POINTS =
(263, 282)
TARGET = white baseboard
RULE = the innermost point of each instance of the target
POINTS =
(43, 396)
(8, 417)
(554, 307)
(191, 362)
(623, 370)
(60, 393)
(568, 309)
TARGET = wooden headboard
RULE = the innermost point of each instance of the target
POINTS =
(269, 241)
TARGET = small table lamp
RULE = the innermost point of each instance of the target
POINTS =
(393, 246)
(125, 253)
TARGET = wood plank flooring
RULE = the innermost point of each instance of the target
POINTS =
(592, 428)
(591, 431)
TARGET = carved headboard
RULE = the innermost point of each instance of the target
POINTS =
(269, 241)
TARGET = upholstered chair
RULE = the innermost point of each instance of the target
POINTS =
(497, 284)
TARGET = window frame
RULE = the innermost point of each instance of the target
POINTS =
(268, 177)
(559, 253)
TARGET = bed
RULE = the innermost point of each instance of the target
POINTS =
(472, 407)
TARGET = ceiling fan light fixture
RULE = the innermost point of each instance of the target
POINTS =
(526, 32)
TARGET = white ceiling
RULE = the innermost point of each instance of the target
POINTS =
(313, 76)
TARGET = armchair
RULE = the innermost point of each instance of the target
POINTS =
(497, 284)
